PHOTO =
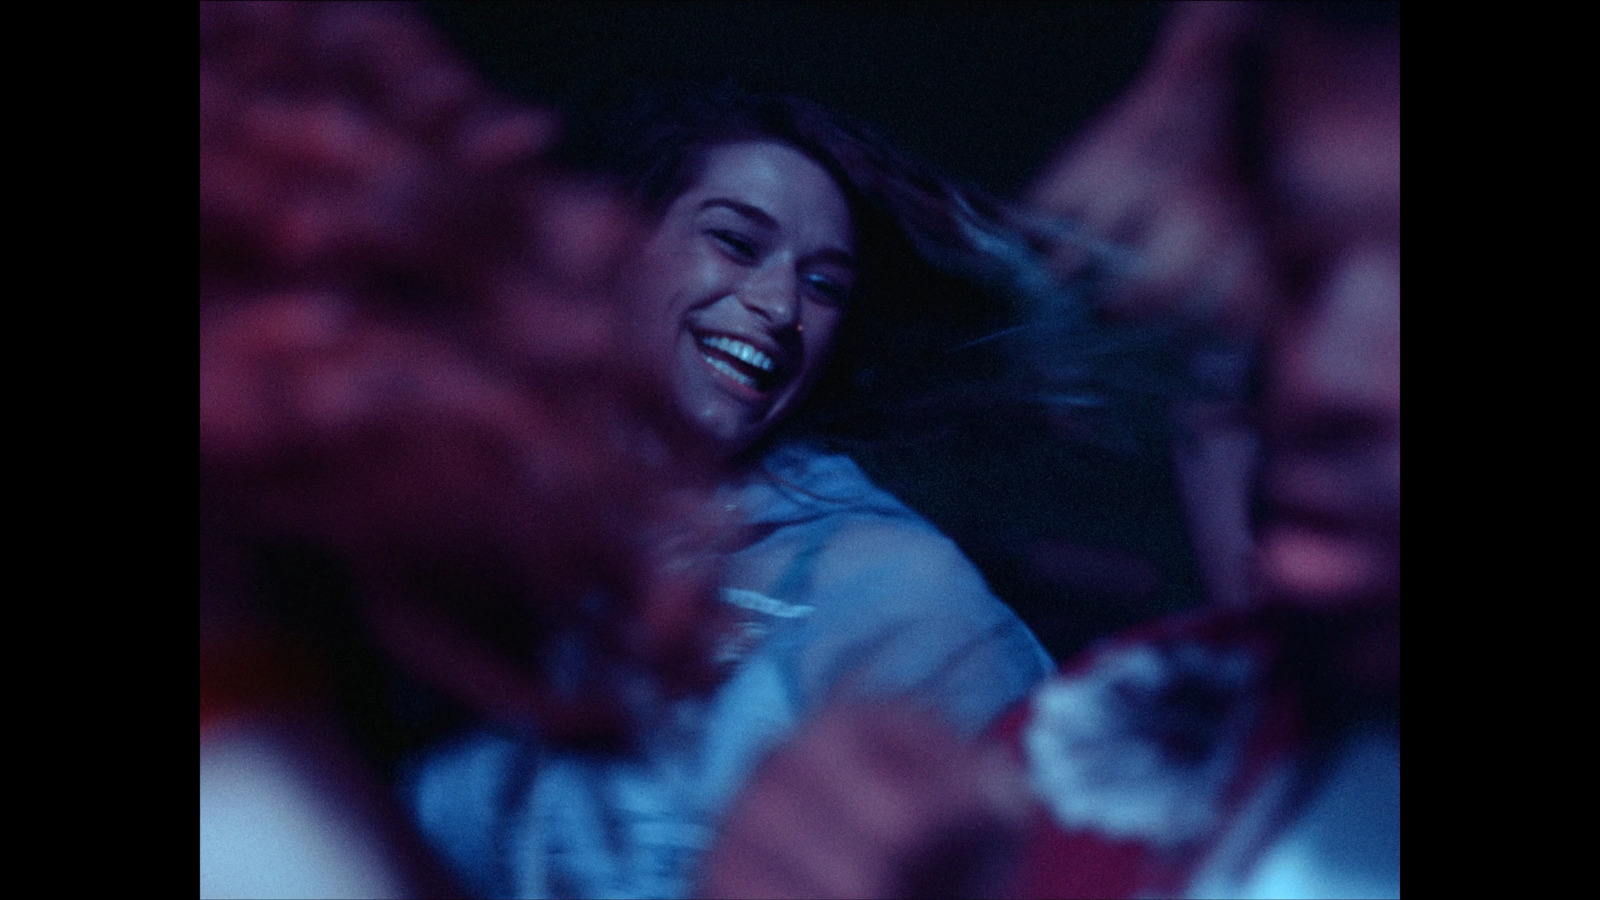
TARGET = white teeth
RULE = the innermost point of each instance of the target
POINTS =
(739, 350)
(731, 372)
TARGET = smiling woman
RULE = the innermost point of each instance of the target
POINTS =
(790, 258)
(741, 288)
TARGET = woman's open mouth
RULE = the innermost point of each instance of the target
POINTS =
(739, 362)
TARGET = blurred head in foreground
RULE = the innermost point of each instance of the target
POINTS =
(1252, 178)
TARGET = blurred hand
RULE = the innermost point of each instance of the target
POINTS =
(477, 514)
(409, 363)
(872, 801)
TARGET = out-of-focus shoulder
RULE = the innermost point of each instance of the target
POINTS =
(910, 548)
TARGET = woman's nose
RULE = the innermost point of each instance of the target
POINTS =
(773, 294)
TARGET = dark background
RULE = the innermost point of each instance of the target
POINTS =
(1079, 540)
(984, 90)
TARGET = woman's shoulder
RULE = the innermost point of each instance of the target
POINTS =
(804, 480)
(892, 605)
(907, 550)
(858, 532)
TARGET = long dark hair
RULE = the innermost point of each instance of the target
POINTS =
(939, 272)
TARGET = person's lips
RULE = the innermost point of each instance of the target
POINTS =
(746, 362)
(1337, 553)
(1327, 521)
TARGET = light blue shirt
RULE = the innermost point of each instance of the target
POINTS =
(847, 591)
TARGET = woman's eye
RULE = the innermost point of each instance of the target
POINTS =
(832, 291)
(735, 243)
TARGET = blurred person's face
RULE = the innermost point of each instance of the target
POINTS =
(1328, 502)
(740, 288)
(1294, 501)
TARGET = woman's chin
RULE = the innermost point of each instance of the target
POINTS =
(723, 434)
(728, 426)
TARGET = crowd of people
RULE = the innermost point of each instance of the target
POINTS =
(536, 563)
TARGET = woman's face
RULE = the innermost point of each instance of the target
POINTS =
(741, 286)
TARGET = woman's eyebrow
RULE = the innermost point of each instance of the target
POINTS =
(762, 218)
(837, 256)
(754, 213)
